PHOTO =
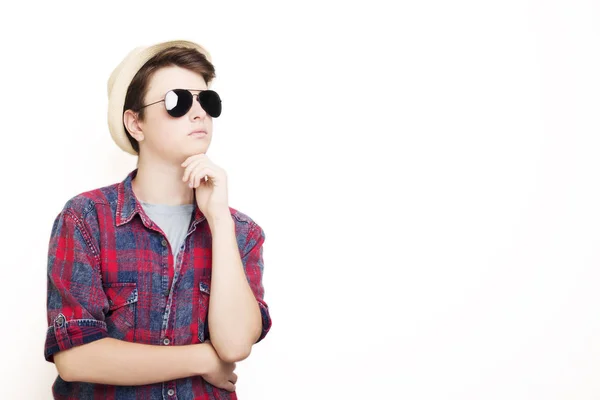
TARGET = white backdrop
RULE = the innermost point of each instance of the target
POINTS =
(426, 173)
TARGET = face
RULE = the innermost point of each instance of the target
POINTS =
(168, 137)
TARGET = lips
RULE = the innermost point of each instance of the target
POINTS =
(197, 132)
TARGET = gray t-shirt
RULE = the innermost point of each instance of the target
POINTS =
(174, 220)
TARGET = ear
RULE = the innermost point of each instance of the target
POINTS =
(130, 120)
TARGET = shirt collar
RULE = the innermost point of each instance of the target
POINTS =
(128, 205)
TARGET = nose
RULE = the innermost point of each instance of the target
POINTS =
(197, 111)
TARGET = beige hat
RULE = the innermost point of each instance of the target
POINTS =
(121, 77)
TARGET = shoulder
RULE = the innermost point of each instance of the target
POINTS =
(85, 206)
(241, 218)
(247, 229)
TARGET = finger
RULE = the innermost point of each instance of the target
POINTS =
(190, 168)
(233, 378)
(197, 177)
(208, 173)
(197, 180)
(190, 159)
(191, 179)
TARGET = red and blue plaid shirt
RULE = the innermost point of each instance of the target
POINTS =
(113, 274)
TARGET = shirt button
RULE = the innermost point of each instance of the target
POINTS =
(166, 341)
(170, 392)
(164, 242)
(60, 320)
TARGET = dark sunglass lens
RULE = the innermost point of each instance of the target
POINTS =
(210, 102)
(178, 102)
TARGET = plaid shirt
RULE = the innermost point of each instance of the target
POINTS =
(111, 274)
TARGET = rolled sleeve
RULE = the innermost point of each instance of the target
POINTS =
(75, 297)
(252, 259)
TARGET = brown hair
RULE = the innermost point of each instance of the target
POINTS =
(187, 58)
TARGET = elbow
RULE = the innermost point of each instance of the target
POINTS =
(232, 354)
(64, 376)
(62, 366)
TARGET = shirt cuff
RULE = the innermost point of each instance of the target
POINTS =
(63, 334)
(266, 319)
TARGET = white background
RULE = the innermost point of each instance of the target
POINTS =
(426, 173)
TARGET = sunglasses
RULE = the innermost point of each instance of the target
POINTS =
(179, 101)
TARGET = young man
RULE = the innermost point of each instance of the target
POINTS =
(155, 283)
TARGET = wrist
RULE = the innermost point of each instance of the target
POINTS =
(201, 359)
(221, 218)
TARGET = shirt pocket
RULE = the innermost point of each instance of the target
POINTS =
(203, 301)
(122, 301)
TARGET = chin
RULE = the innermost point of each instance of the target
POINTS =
(192, 150)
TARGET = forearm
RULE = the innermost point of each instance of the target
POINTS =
(116, 362)
(234, 315)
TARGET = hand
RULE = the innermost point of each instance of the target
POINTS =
(220, 373)
(210, 182)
